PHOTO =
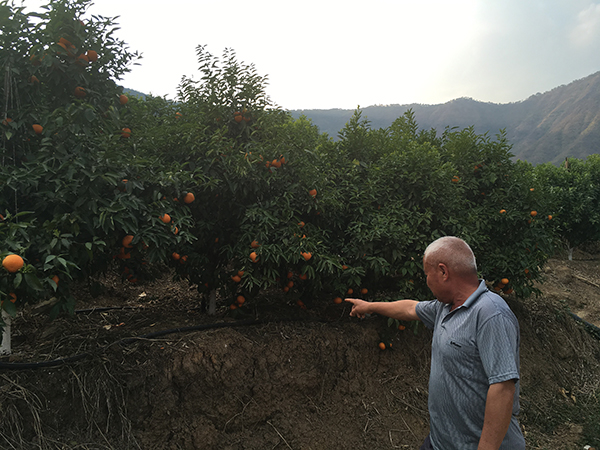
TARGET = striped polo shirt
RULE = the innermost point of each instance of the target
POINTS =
(473, 346)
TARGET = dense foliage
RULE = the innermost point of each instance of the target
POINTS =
(235, 194)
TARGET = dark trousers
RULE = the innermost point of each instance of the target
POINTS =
(426, 444)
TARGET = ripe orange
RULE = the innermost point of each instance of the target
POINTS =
(65, 42)
(350, 291)
(34, 79)
(127, 241)
(550, 217)
(82, 60)
(233, 306)
(176, 256)
(382, 345)
(286, 289)
(123, 99)
(504, 281)
(254, 244)
(290, 274)
(306, 255)
(290, 284)
(301, 224)
(165, 218)
(92, 55)
(401, 327)
(531, 189)
(12, 263)
(240, 273)
(502, 211)
(303, 276)
(236, 278)
(253, 256)
(55, 279)
(126, 132)
(79, 92)
(240, 299)
(363, 291)
(344, 267)
(337, 300)
(178, 115)
(238, 118)
(312, 192)
(455, 179)
(533, 213)
(189, 198)
(13, 297)
(183, 259)
(38, 128)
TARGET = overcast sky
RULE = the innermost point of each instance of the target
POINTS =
(341, 54)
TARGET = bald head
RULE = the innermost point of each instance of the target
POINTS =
(454, 253)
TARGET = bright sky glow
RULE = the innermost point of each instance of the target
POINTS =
(342, 54)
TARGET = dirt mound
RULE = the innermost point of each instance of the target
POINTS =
(297, 379)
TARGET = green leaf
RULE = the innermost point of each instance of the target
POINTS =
(33, 282)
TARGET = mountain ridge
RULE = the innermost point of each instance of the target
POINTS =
(545, 127)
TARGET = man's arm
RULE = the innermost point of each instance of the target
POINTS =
(401, 309)
(498, 412)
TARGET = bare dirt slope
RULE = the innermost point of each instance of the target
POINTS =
(297, 379)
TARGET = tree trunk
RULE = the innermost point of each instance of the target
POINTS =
(570, 253)
(5, 347)
(212, 303)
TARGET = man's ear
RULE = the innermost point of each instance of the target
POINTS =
(443, 270)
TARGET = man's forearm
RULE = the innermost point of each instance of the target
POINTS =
(498, 413)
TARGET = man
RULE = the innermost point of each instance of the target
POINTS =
(474, 377)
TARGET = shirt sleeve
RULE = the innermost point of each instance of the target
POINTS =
(498, 341)
(427, 312)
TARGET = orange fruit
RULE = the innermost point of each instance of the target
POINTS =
(165, 218)
(178, 115)
(37, 128)
(300, 303)
(337, 300)
(175, 229)
(290, 284)
(236, 278)
(344, 267)
(240, 299)
(301, 224)
(92, 55)
(286, 289)
(401, 327)
(65, 42)
(253, 256)
(12, 263)
(363, 291)
(183, 259)
(382, 345)
(83, 59)
(350, 291)
(306, 255)
(123, 99)
(303, 276)
(312, 192)
(189, 198)
(126, 132)
(254, 244)
(233, 306)
(34, 79)
(176, 256)
(127, 241)
(290, 274)
(79, 92)
(533, 213)
(238, 118)
(550, 217)
(531, 189)
(55, 279)
(504, 281)
(13, 297)
(455, 179)
(502, 211)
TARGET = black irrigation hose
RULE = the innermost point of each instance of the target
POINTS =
(593, 329)
(126, 341)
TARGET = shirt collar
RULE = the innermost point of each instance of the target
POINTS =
(475, 295)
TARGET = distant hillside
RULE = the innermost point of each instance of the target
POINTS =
(134, 93)
(546, 127)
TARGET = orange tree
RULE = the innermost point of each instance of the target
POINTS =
(66, 157)
(573, 190)
(253, 173)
